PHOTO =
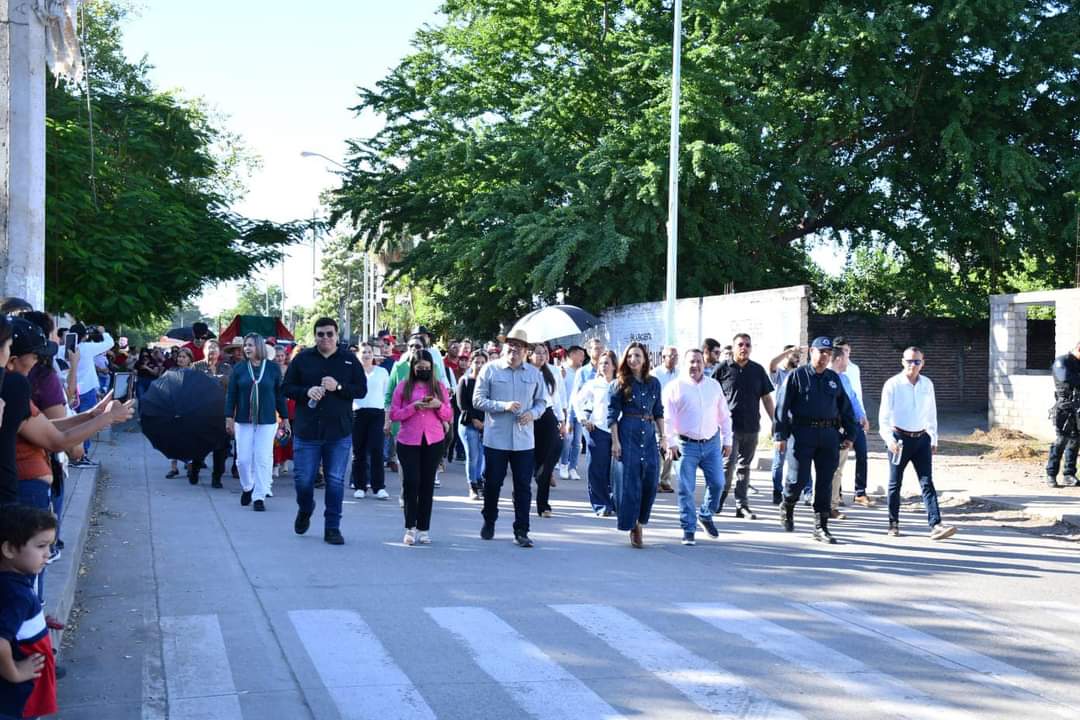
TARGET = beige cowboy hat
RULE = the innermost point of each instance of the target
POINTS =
(519, 335)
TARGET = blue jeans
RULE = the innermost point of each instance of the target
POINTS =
(334, 456)
(36, 494)
(474, 455)
(87, 401)
(600, 491)
(709, 456)
(917, 452)
(571, 447)
(778, 469)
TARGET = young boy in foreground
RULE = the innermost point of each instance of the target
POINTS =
(27, 666)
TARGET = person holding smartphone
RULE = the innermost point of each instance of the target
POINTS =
(422, 406)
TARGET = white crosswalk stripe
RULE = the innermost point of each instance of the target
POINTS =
(976, 667)
(1062, 610)
(543, 688)
(704, 682)
(1022, 634)
(882, 692)
(198, 676)
(356, 669)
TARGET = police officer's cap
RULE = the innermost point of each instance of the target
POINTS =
(822, 343)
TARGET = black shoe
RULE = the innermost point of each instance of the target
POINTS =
(260, 506)
(235, 471)
(320, 482)
(709, 525)
(333, 536)
(215, 482)
(488, 531)
(61, 671)
(746, 512)
(787, 515)
(523, 540)
(193, 477)
(777, 497)
(245, 498)
(59, 544)
(302, 523)
(1051, 481)
(821, 529)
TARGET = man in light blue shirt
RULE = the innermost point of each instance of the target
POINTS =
(862, 424)
(510, 392)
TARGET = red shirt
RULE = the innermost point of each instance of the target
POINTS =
(196, 351)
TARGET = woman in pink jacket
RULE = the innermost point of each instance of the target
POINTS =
(421, 405)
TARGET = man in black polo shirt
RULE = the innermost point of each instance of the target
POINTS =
(323, 381)
(746, 386)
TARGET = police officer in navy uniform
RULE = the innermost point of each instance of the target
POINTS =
(812, 410)
(1066, 416)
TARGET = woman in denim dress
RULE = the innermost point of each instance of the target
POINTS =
(635, 415)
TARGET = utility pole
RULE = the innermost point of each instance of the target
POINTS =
(673, 180)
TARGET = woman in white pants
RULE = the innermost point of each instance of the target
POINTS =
(253, 403)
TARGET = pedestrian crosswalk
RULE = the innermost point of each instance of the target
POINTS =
(781, 661)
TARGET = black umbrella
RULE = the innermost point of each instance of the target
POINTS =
(555, 321)
(186, 334)
(183, 414)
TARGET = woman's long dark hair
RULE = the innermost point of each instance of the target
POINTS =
(45, 322)
(549, 379)
(625, 376)
(419, 357)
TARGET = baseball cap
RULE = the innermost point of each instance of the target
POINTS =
(26, 338)
(822, 343)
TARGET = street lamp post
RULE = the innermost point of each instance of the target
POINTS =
(673, 179)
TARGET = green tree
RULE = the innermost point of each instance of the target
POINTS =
(138, 190)
(257, 299)
(524, 155)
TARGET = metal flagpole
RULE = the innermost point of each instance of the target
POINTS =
(673, 178)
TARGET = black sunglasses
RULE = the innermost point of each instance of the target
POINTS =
(324, 334)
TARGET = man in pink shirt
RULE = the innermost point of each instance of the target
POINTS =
(699, 430)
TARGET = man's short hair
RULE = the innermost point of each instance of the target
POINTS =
(741, 335)
(709, 345)
(690, 350)
(578, 348)
(913, 349)
(840, 341)
(789, 347)
(19, 523)
(595, 341)
(326, 322)
(14, 306)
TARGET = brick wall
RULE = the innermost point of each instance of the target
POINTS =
(957, 354)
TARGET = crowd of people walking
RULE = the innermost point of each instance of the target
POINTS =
(346, 416)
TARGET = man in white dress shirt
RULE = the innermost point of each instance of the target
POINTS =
(907, 422)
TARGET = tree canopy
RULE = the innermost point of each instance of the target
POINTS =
(138, 188)
(524, 152)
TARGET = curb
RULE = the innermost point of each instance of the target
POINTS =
(63, 574)
(1071, 519)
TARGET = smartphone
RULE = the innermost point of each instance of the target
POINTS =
(71, 340)
(123, 385)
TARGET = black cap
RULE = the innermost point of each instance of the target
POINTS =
(822, 343)
(421, 330)
(200, 330)
(26, 338)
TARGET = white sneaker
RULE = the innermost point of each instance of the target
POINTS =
(288, 466)
(564, 472)
(574, 475)
(269, 492)
(382, 494)
(423, 538)
(438, 482)
(410, 537)
(401, 501)
(359, 494)
(276, 472)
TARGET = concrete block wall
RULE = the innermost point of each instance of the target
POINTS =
(1020, 399)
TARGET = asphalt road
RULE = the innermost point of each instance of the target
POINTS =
(192, 607)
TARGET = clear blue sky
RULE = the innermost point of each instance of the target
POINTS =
(285, 74)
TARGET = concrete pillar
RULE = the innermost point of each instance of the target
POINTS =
(22, 152)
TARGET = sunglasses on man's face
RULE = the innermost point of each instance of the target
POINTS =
(916, 361)
(324, 333)
(416, 346)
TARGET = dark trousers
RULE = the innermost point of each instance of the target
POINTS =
(418, 466)
(521, 467)
(454, 446)
(812, 449)
(917, 452)
(860, 460)
(600, 491)
(220, 455)
(548, 450)
(737, 464)
(1063, 446)
(367, 445)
